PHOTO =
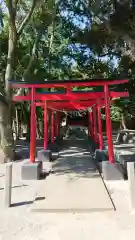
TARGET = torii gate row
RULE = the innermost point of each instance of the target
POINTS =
(68, 96)
(75, 104)
(82, 105)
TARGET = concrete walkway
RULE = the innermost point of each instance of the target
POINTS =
(75, 185)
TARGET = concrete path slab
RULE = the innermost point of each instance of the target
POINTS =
(75, 185)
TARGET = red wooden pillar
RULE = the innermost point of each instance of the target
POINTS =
(33, 126)
(100, 128)
(89, 128)
(91, 121)
(89, 124)
(45, 127)
(52, 127)
(109, 125)
(57, 124)
(94, 123)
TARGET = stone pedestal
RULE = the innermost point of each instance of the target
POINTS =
(101, 155)
(44, 155)
(54, 147)
(58, 140)
(131, 182)
(31, 171)
(125, 155)
(54, 156)
(112, 171)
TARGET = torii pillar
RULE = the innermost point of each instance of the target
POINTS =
(100, 128)
(110, 170)
(45, 126)
(52, 127)
(109, 125)
(33, 127)
(90, 122)
(95, 124)
(32, 170)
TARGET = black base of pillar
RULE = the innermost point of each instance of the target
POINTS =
(53, 147)
(54, 156)
(59, 139)
(111, 171)
(93, 144)
(44, 155)
(54, 151)
(101, 155)
(31, 171)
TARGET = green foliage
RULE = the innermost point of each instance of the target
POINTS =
(74, 40)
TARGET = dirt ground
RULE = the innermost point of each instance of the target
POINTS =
(20, 223)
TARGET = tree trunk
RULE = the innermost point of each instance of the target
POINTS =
(14, 129)
(41, 127)
(38, 128)
(123, 122)
(7, 143)
(17, 124)
(9, 74)
(7, 150)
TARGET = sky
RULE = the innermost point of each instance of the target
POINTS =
(2, 5)
(82, 22)
(78, 21)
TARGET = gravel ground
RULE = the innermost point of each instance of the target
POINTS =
(19, 222)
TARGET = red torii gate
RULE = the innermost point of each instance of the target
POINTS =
(70, 100)
(82, 105)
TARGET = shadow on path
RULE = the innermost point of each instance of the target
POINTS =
(20, 204)
(75, 159)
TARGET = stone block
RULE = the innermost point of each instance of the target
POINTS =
(123, 158)
(99, 166)
(93, 145)
(31, 171)
(54, 147)
(54, 156)
(101, 155)
(44, 155)
(59, 139)
(112, 171)
(124, 155)
(131, 181)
